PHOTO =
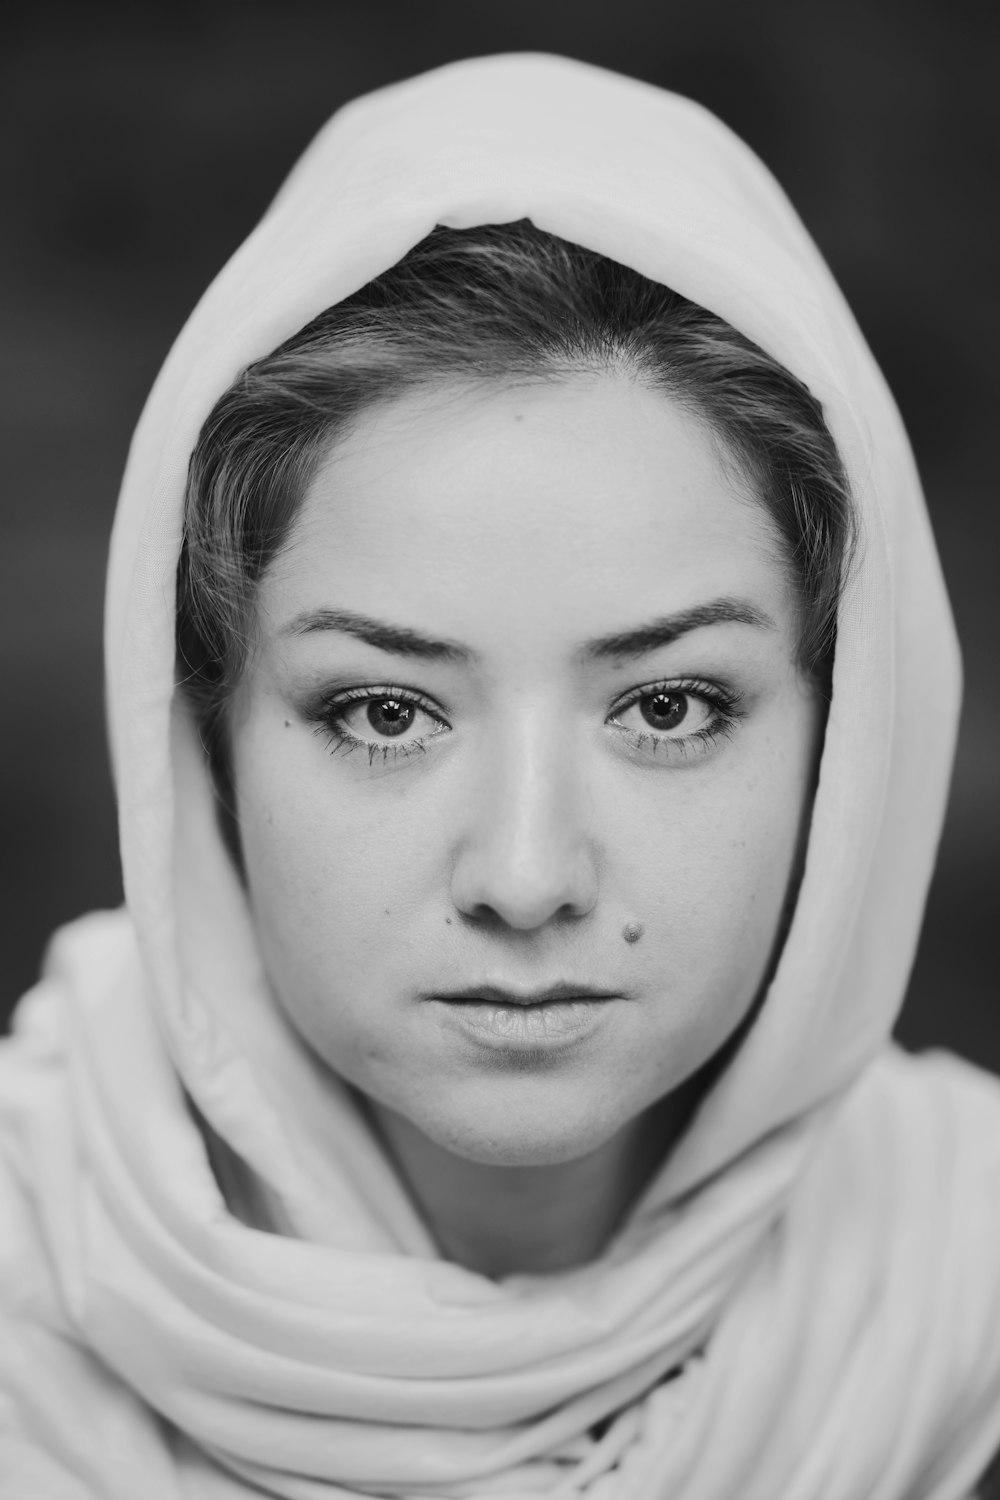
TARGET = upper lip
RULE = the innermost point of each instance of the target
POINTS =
(516, 995)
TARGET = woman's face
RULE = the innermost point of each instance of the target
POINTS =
(525, 717)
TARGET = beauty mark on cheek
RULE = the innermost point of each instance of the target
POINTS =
(632, 932)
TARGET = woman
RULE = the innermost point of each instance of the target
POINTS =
(532, 694)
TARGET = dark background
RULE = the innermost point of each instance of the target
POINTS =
(138, 146)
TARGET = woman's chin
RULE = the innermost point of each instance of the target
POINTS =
(513, 1132)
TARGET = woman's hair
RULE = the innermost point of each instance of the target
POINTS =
(504, 303)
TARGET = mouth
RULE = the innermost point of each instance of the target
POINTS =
(519, 1019)
(495, 994)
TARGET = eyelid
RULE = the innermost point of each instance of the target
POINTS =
(368, 692)
(721, 703)
(698, 687)
(327, 715)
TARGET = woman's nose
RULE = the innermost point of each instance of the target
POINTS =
(526, 854)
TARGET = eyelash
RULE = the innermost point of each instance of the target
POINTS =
(328, 716)
(725, 713)
(724, 705)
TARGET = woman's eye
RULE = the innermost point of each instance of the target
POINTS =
(678, 721)
(388, 722)
(672, 713)
(382, 718)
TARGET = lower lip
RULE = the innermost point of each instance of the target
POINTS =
(525, 1028)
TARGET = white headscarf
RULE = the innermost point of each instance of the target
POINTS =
(806, 1302)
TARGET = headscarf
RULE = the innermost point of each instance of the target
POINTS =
(806, 1301)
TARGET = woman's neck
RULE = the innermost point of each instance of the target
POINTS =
(503, 1221)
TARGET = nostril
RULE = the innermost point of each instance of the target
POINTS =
(523, 903)
(527, 859)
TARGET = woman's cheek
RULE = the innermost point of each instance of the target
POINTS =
(720, 862)
(334, 879)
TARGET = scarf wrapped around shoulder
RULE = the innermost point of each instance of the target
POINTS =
(805, 1304)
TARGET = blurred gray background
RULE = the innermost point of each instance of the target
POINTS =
(140, 143)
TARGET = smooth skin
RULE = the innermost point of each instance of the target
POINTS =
(502, 814)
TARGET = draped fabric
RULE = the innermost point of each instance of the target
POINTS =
(806, 1301)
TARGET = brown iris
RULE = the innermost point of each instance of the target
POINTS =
(663, 711)
(388, 716)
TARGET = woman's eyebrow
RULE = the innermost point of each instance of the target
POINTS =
(400, 640)
(669, 628)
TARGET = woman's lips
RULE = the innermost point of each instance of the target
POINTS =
(511, 994)
(529, 1020)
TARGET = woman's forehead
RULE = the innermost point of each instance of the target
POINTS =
(551, 502)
